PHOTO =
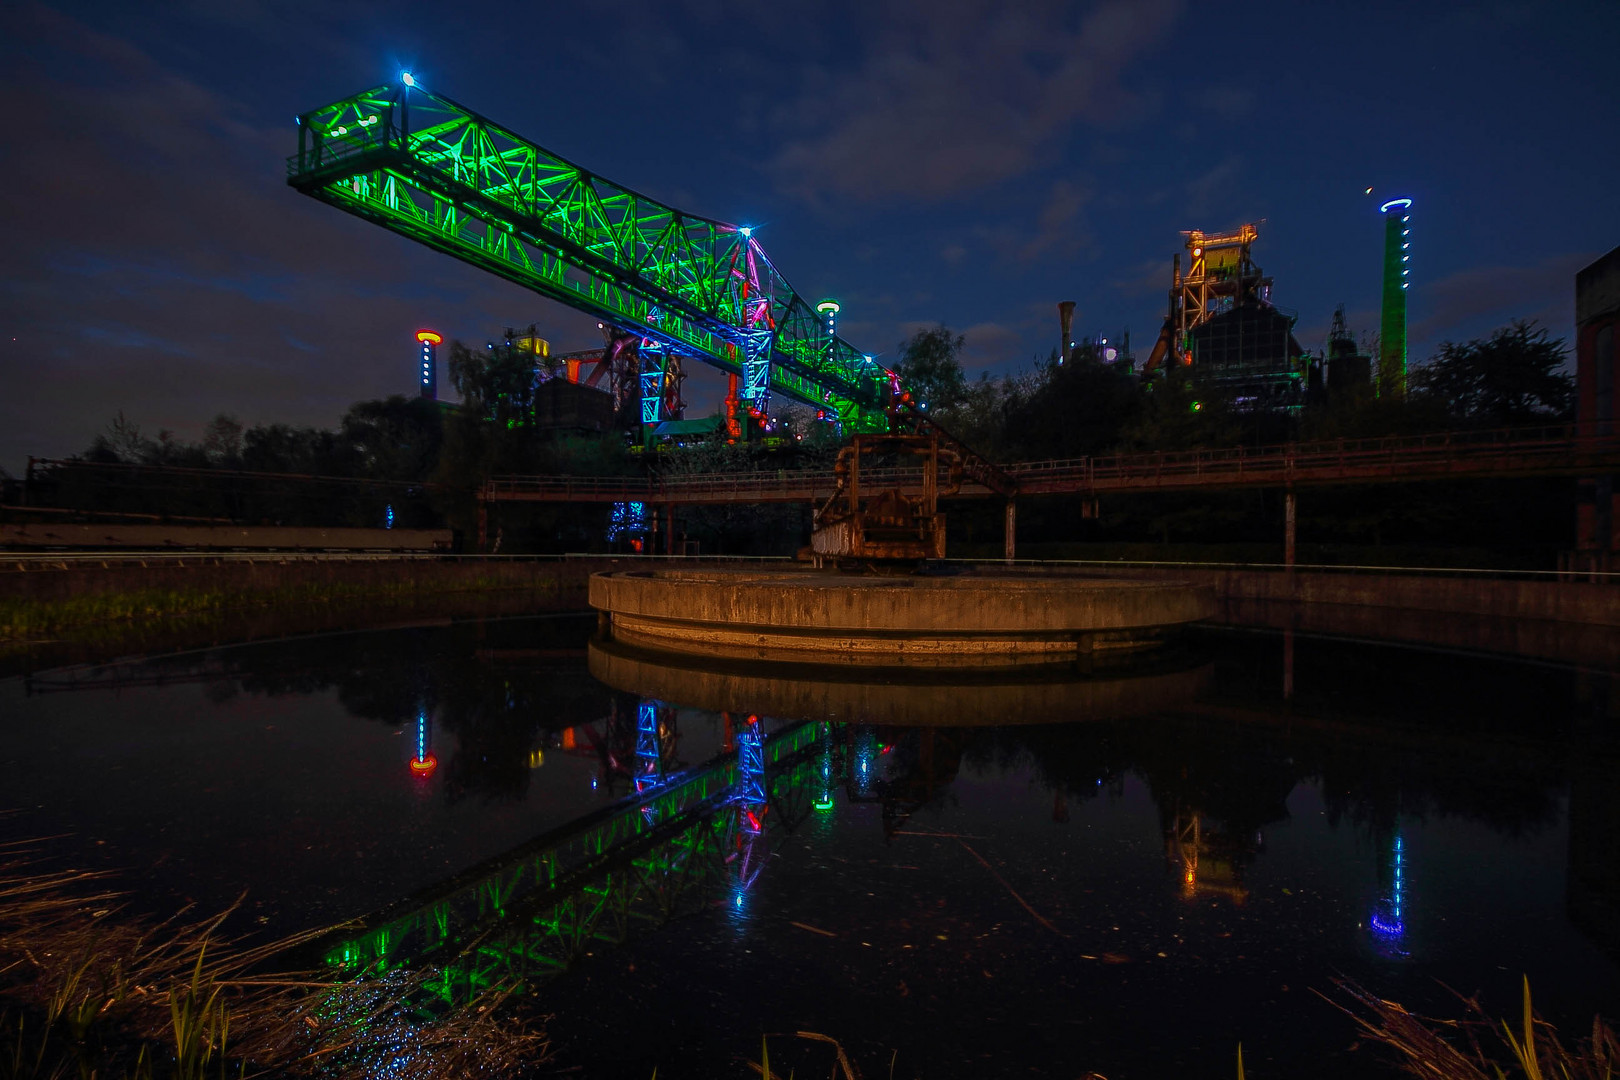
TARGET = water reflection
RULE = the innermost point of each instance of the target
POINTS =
(1375, 812)
(1388, 918)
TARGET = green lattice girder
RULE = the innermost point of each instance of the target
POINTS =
(425, 167)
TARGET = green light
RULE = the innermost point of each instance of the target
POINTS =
(456, 182)
(1196, 406)
(825, 803)
(1392, 324)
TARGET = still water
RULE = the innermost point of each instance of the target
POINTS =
(1127, 870)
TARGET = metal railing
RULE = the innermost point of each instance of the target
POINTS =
(1552, 449)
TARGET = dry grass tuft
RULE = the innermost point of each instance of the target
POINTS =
(92, 990)
(1478, 1047)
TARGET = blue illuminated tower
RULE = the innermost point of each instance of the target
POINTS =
(1397, 278)
(429, 341)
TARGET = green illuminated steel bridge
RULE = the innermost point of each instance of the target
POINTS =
(679, 285)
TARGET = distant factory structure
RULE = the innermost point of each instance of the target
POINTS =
(1222, 325)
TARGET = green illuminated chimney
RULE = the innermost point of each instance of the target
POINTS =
(1397, 277)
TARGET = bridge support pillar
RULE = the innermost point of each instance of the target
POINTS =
(669, 528)
(1011, 530)
(1289, 508)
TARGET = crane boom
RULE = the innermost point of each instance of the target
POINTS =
(428, 168)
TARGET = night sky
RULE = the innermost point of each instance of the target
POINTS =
(963, 163)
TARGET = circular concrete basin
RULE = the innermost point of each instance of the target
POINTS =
(969, 619)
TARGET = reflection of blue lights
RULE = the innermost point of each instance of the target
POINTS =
(388, 517)
(421, 734)
(865, 754)
(1388, 918)
(751, 764)
(628, 517)
(649, 753)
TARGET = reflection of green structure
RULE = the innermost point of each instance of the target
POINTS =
(531, 911)
(1397, 277)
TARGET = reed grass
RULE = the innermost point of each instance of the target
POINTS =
(1477, 1046)
(92, 991)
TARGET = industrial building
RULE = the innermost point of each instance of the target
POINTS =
(1222, 325)
(1597, 354)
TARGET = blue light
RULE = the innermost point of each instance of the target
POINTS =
(1394, 202)
(388, 517)
(747, 231)
(405, 77)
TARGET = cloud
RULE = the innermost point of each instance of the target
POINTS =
(156, 262)
(950, 97)
(988, 344)
(1054, 229)
(1470, 303)
(1143, 279)
(1205, 189)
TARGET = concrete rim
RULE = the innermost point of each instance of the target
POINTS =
(879, 619)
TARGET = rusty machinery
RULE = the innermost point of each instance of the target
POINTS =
(869, 518)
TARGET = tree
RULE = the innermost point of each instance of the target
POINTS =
(929, 369)
(495, 384)
(397, 438)
(222, 441)
(1511, 377)
(1071, 409)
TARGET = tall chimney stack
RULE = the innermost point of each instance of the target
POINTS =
(1066, 322)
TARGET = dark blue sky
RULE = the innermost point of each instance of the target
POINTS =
(965, 163)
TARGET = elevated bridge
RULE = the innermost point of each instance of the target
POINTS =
(1556, 450)
(1541, 451)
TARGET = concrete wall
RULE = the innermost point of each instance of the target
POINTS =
(1572, 622)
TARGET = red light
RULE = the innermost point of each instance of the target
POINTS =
(753, 821)
(423, 767)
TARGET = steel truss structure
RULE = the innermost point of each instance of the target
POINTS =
(425, 167)
(641, 862)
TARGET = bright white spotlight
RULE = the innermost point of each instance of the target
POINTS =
(746, 230)
(406, 78)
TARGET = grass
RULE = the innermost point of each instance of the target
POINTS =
(1476, 1046)
(32, 620)
(90, 991)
